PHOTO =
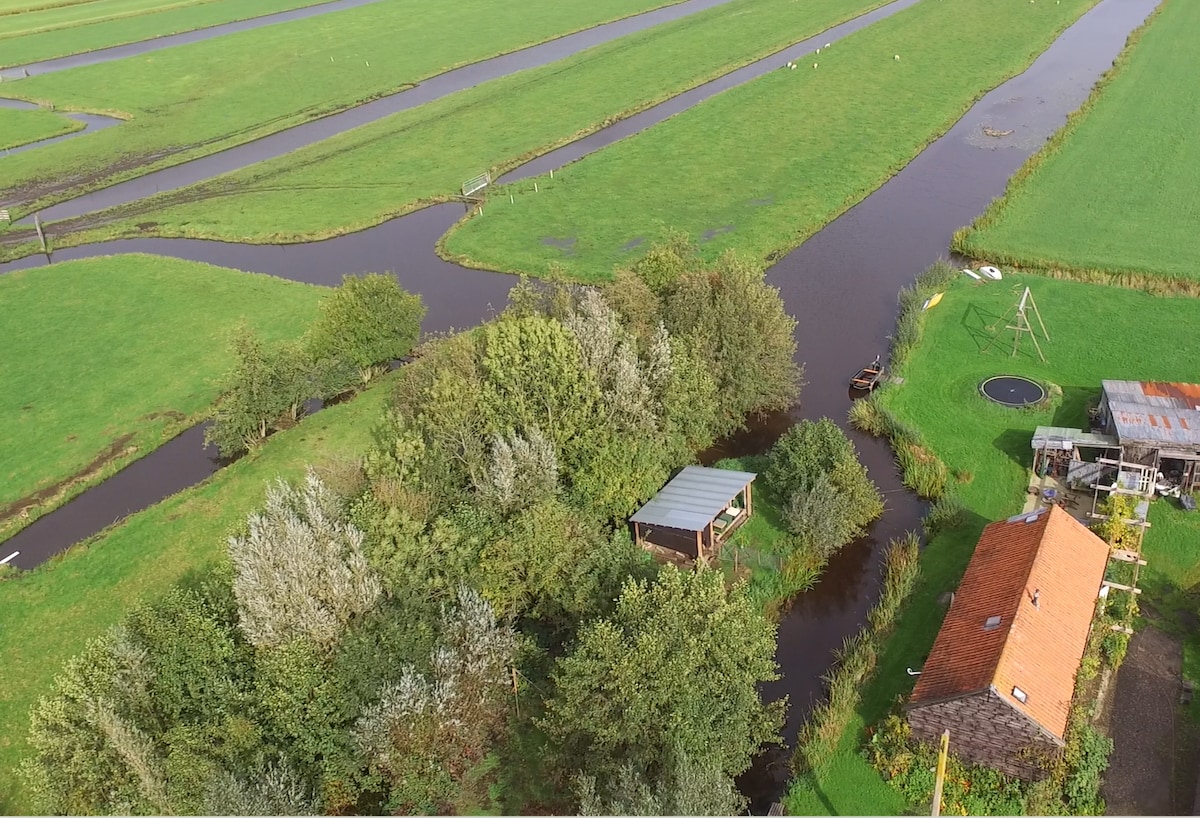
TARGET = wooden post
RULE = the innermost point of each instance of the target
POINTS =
(748, 505)
(699, 545)
(712, 543)
(38, 224)
(637, 533)
(941, 774)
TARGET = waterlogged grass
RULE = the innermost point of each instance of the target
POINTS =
(22, 127)
(763, 166)
(29, 36)
(100, 349)
(335, 186)
(1116, 189)
(50, 614)
(196, 99)
(940, 398)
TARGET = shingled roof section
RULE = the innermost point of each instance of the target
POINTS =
(1034, 648)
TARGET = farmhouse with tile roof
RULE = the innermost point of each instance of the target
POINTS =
(1001, 673)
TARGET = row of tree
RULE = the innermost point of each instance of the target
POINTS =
(361, 327)
(460, 622)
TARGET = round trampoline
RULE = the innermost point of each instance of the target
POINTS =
(1012, 391)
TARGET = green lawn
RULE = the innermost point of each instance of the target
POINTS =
(51, 613)
(22, 127)
(29, 36)
(769, 163)
(335, 186)
(940, 398)
(197, 99)
(1116, 189)
(120, 345)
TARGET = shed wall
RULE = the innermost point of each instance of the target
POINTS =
(984, 729)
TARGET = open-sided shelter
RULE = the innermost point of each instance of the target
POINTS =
(1002, 670)
(696, 511)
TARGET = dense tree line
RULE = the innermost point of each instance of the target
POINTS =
(461, 623)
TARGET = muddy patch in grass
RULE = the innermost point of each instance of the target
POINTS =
(709, 235)
(567, 245)
(114, 451)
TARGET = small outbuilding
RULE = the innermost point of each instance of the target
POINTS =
(1001, 674)
(696, 511)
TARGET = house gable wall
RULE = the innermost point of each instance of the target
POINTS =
(984, 729)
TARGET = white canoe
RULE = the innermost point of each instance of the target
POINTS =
(991, 272)
(972, 274)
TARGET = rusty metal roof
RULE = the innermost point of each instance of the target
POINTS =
(693, 498)
(1155, 412)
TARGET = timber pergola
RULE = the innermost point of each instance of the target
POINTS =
(696, 511)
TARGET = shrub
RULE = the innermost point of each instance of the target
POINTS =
(1114, 646)
(947, 512)
(1087, 759)
(830, 498)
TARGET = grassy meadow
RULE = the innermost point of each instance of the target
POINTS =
(101, 349)
(19, 127)
(1115, 190)
(769, 163)
(988, 448)
(59, 30)
(197, 99)
(51, 613)
(335, 186)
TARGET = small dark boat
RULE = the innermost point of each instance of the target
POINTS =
(869, 376)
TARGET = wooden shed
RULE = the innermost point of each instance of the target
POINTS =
(696, 511)
(1001, 674)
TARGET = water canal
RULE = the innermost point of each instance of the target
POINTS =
(841, 284)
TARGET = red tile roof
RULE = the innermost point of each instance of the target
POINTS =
(1036, 649)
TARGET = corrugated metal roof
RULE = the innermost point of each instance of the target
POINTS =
(693, 498)
(1155, 412)
(1049, 436)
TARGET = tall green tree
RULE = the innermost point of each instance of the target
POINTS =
(676, 667)
(737, 322)
(828, 496)
(257, 393)
(368, 321)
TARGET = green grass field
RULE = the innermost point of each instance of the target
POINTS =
(50, 614)
(335, 186)
(1116, 189)
(22, 127)
(99, 349)
(196, 99)
(770, 162)
(29, 36)
(940, 398)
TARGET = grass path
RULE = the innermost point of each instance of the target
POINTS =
(50, 614)
(119, 345)
(336, 185)
(1116, 189)
(20, 127)
(765, 165)
(991, 444)
(196, 99)
(30, 36)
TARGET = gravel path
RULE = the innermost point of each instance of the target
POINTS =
(1144, 708)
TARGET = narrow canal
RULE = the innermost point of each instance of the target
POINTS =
(841, 284)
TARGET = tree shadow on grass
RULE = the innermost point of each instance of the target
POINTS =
(1015, 444)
